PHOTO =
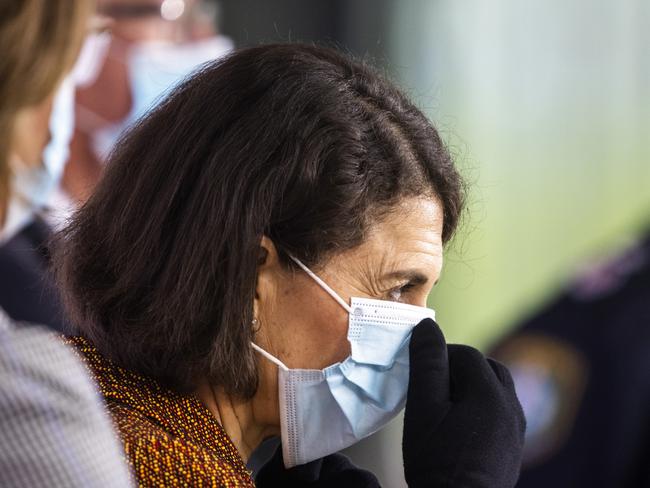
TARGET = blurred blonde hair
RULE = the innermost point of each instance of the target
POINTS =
(40, 40)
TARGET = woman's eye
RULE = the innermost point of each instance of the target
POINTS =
(396, 293)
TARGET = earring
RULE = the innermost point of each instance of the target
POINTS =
(255, 324)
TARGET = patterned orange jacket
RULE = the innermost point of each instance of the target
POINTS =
(169, 439)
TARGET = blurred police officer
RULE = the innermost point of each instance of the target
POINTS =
(582, 371)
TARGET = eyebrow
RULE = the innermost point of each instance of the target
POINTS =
(413, 276)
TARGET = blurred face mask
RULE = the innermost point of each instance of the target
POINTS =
(32, 187)
(324, 411)
(155, 68)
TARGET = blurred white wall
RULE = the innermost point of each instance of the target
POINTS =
(547, 106)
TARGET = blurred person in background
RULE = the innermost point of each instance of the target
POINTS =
(53, 427)
(163, 41)
(152, 46)
(255, 262)
(27, 292)
(581, 367)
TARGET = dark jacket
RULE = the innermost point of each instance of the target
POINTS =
(582, 368)
(27, 292)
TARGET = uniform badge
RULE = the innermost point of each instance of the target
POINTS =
(550, 377)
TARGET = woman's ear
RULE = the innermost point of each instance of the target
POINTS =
(269, 272)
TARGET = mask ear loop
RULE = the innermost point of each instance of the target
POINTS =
(269, 356)
(323, 285)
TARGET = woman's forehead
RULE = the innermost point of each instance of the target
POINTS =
(414, 225)
(409, 236)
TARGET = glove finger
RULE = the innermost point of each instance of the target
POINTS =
(506, 380)
(502, 373)
(429, 365)
(471, 374)
(427, 400)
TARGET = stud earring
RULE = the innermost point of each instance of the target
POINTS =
(255, 324)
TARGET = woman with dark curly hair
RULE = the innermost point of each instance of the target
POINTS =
(256, 263)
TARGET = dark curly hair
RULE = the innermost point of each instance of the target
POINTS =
(296, 142)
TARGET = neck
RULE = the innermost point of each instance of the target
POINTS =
(247, 422)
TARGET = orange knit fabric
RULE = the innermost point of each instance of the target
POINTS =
(169, 439)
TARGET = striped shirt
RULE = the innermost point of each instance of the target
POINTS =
(54, 430)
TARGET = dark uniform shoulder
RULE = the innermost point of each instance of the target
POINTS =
(582, 371)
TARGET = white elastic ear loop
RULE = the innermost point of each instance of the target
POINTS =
(323, 285)
(269, 356)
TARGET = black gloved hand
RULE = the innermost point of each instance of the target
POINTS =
(463, 425)
(334, 470)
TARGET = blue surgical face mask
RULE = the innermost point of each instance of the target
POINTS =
(57, 151)
(155, 68)
(324, 411)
